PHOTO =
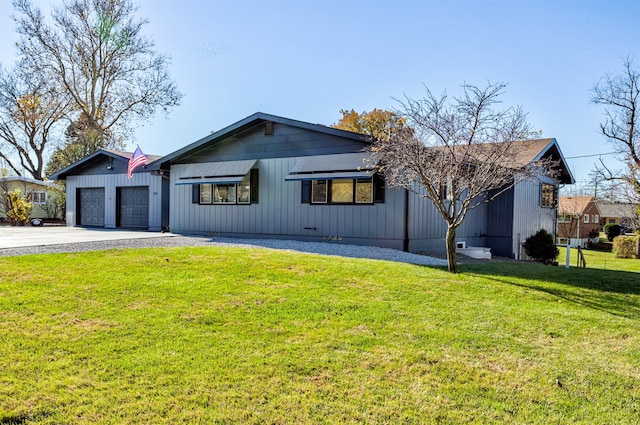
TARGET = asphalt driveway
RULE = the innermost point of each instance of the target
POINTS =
(24, 236)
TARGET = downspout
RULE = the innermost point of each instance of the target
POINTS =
(405, 242)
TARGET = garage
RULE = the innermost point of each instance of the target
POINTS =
(132, 207)
(90, 206)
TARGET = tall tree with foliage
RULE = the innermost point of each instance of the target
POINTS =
(459, 153)
(95, 51)
(620, 95)
(377, 123)
(31, 113)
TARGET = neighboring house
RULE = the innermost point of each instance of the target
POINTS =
(99, 193)
(578, 217)
(40, 193)
(272, 177)
(624, 215)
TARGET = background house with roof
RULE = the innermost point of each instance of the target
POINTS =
(272, 177)
(41, 194)
(622, 214)
(578, 220)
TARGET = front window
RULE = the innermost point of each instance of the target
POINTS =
(564, 218)
(364, 191)
(342, 191)
(319, 191)
(547, 199)
(244, 192)
(205, 193)
(38, 197)
(224, 193)
(586, 218)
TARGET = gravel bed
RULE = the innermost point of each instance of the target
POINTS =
(324, 248)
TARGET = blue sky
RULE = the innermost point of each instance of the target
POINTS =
(308, 59)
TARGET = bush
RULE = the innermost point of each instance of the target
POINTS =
(625, 247)
(599, 246)
(612, 230)
(19, 209)
(541, 247)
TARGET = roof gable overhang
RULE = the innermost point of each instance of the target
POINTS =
(552, 150)
(87, 160)
(243, 125)
(98, 155)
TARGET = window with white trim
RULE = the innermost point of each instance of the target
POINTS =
(242, 193)
(38, 198)
(564, 218)
(586, 218)
(342, 191)
(366, 191)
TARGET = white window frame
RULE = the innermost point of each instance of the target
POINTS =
(586, 219)
(326, 191)
(355, 192)
(37, 196)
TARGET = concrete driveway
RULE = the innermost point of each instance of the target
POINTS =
(23, 236)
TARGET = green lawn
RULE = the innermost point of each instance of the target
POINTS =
(253, 336)
(600, 260)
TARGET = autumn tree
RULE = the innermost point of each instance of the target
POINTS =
(377, 123)
(95, 51)
(81, 139)
(31, 110)
(620, 96)
(460, 153)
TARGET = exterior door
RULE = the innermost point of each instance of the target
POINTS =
(91, 207)
(133, 207)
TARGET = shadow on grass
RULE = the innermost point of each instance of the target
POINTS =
(615, 292)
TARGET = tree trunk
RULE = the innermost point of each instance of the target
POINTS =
(452, 259)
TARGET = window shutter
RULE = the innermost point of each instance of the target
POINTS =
(378, 189)
(306, 192)
(253, 182)
(195, 194)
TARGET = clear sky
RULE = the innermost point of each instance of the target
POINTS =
(307, 59)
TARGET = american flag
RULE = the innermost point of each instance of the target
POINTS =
(136, 160)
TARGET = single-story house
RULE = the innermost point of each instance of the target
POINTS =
(41, 194)
(272, 177)
(578, 218)
(622, 214)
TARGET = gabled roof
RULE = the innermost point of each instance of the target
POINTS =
(530, 151)
(573, 204)
(244, 124)
(619, 210)
(519, 154)
(27, 180)
(110, 153)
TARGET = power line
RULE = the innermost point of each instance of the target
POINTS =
(588, 156)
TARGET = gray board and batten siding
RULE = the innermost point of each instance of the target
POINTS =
(99, 194)
(280, 211)
(256, 177)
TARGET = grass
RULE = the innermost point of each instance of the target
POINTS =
(230, 335)
(600, 260)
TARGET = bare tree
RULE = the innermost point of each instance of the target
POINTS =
(31, 110)
(95, 51)
(620, 95)
(458, 154)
